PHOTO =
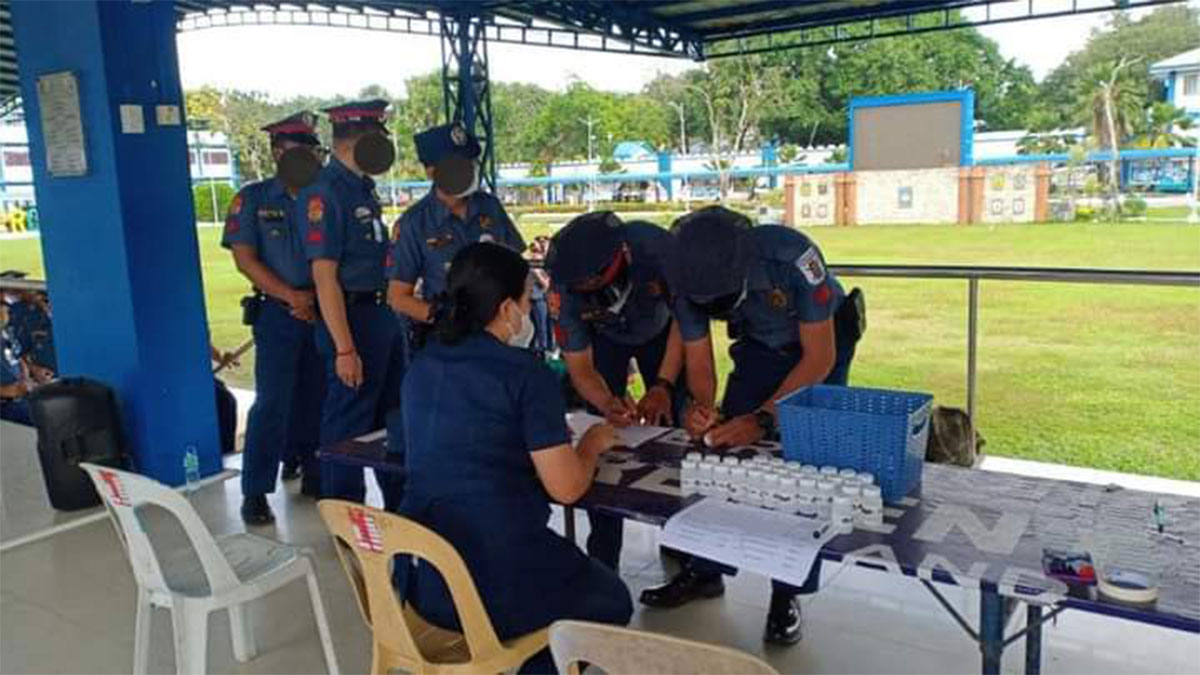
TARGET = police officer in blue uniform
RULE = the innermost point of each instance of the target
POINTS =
(610, 285)
(13, 387)
(488, 447)
(31, 330)
(453, 214)
(782, 306)
(264, 236)
(358, 336)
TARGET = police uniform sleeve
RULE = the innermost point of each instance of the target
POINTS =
(570, 332)
(692, 324)
(407, 257)
(543, 411)
(812, 286)
(512, 236)
(240, 225)
(321, 223)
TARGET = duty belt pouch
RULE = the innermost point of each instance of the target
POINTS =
(251, 306)
(850, 321)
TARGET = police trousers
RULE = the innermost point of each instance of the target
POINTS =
(611, 360)
(758, 370)
(348, 413)
(289, 388)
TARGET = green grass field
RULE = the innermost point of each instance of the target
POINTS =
(1104, 377)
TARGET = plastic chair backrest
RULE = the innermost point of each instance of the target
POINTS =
(123, 492)
(623, 651)
(374, 537)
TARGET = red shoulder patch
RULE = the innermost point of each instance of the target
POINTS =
(315, 236)
(553, 303)
(822, 294)
(235, 206)
(316, 209)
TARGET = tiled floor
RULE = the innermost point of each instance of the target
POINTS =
(66, 606)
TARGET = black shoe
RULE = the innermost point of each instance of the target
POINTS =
(310, 486)
(685, 587)
(290, 471)
(256, 510)
(784, 622)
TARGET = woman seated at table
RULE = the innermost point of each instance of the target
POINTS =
(488, 448)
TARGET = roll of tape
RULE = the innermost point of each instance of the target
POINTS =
(1126, 586)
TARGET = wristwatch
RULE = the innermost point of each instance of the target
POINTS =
(766, 421)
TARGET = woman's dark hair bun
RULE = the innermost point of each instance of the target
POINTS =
(481, 277)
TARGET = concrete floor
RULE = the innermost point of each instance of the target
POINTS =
(67, 604)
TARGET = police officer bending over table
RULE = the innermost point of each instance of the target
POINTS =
(453, 214)
(610, 284)
(488, 447)
(358, 337)
(261, 230)
(771, 285)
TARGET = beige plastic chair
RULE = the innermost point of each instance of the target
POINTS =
(623, 651)
(203, 576)
(366, 540)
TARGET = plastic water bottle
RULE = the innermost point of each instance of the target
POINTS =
(191, 468)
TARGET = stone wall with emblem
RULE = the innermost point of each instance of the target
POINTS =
(907, 196)
(1009, 194)
(811, 199)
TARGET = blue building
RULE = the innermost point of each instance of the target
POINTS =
(1181, 75)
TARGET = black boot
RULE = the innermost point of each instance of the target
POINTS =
(784, 621)
(256, 510)
(685, 587)
(291, 470)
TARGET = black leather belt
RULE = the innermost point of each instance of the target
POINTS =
(354, 298)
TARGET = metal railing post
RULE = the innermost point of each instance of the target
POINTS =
(972, 350)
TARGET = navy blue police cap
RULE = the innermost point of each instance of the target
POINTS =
(436, 143)
(713, 253)
(370, 113)
(301, 128)
(585, 247)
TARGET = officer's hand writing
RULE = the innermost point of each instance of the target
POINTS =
(620, 412)
(699, 419)
(349, 369)
(655, 407)
(599, 439)
(741, 430)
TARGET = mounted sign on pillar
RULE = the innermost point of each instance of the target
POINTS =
(103, 103)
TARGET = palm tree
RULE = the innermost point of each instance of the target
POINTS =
(1162, 127)
(1111, 101)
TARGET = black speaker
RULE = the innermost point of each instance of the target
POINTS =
(77, 420)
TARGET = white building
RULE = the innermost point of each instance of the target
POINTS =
(1181, 74)
(209, 156)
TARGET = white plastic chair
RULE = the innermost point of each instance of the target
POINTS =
(624, 651)
(233, 570)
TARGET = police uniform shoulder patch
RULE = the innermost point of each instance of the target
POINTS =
(485, 221)
(316, 209)
(778, 298)
(235, 206)
(553, 303)
(811, 266)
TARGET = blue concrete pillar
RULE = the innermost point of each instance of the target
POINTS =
(664, 167)
(120, 247)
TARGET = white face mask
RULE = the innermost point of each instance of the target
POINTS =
(523, 337)
(472, 188)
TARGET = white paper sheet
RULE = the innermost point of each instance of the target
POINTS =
(377, 435)
(777, 545)
(629, 437)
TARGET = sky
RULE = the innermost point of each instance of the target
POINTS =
(285, 61)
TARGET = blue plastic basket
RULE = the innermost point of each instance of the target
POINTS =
(876, 430)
